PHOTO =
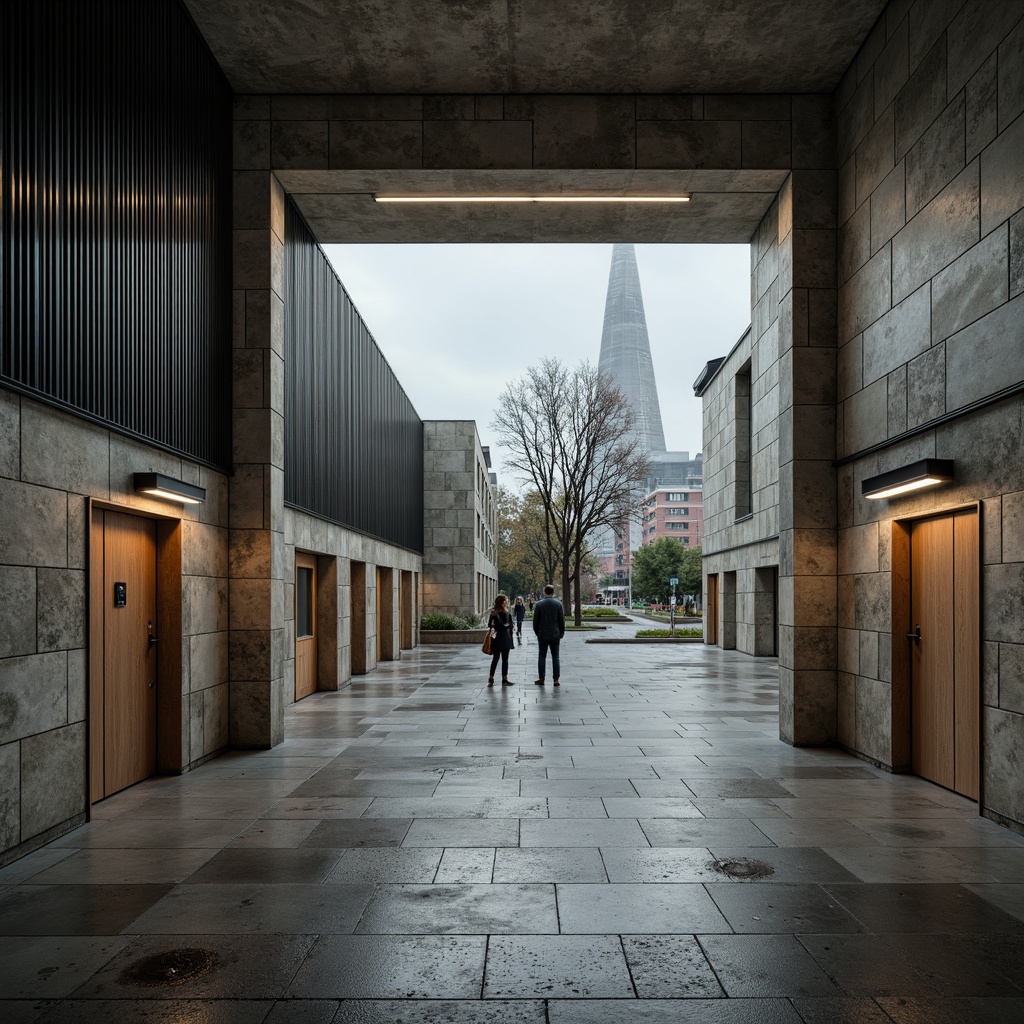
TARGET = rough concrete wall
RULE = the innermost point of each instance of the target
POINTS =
(308, 533)
(51, 463)
(931, 270)
(459, 519)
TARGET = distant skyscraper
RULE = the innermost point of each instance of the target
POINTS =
(626, 349)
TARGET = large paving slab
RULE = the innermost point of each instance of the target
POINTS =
(636, 845)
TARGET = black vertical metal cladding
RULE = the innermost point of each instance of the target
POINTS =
(353, 441)
(115, 254)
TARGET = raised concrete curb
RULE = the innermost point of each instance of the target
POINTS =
(452, 636)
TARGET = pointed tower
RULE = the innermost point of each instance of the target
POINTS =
(626, 350)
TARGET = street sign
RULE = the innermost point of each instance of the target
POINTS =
(673, 600)
(674, 582)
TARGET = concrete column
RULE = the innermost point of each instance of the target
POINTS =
(807, 448)
(257, 570)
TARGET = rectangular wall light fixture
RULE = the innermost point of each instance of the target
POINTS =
(161, 486)
(532, 199)
(915, 477)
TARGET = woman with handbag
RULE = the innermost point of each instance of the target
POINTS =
(500, 626)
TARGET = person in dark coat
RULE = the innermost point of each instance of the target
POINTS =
(501, 622)
(549, 625)
(519, 611)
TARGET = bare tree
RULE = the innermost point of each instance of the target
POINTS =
(569, 434)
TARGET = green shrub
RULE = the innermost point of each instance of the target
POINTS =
(596, 613)
(445, 620)
(690, 631)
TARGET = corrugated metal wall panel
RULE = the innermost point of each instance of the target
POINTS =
(353, 441)
(115, 259)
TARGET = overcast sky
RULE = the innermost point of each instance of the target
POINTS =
(457, 321)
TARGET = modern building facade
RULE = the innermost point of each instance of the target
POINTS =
(898, 614)
(674, 512)
(159, 162)
(460, 520)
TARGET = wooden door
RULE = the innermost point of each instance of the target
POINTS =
(129, 653)
(711, 611)
(305, 625)
(405, 609)
(944, 651)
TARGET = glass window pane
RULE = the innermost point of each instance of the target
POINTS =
(303, 602)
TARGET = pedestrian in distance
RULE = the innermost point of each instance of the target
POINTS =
(519, 610)
(500, 622)
(549, 626)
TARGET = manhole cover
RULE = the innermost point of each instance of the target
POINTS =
(742, 867)
(529, 757)
(172, 967)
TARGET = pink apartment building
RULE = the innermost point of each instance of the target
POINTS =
(674, 512)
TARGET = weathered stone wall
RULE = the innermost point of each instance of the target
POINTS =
(51, 464)
(460, 520)
(931, 275)
(336, 548)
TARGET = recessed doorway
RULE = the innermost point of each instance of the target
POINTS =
(305, 625)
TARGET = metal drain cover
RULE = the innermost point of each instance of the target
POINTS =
(171, 967)
(743, 867)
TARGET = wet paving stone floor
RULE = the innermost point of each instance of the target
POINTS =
(635, 846)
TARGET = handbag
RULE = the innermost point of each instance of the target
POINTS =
(491, 634)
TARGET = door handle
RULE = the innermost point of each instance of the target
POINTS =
(915, 636)
(152, 639)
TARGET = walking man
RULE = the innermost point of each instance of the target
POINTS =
(549, 625)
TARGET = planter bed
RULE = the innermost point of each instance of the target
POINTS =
(647, 640)
(453, 636)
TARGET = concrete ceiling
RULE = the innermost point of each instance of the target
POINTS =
(726, 206)
(534, 46)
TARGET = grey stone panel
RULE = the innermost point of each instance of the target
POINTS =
(888, 207)
(896, 387)
(299, 144)
(874, 719)
(10, 434)
(60, 606)
(1002, 183)
(250, 258)
(875, 156)
(866, 296)
(899, 336)
(77, 685)
(855, 119)
(204, 550)
(814, 707)
(1002, 599)
(376, 108)
(579, 131)
(688, 144)
(767, 144)
(892, 69)
(928, 20)
(972, 286)
(871, 49)
(922, 99)
(942, 231)
(1003, 747)
(10, 796)
(297, 107)
(668, 108)
(987, 356)
(739, 107)
(871, 596)
(1013, 527)
(850, 368)
(937, 157)
(208, 660)
(1017, 254)
(478, 144)
(981, 108)
(455, 108)
(865, 417)
(926, 386)
(251, 145)
(1011, 76)
(61, 451)
(376, 144)
(53, 774)
(17, 611)
(973, 34)
(33, 694)
(215, 719)
(1011, 677)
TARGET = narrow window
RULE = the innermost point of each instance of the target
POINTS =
(744, 443)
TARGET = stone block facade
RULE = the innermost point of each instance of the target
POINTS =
(905, 344)
(54, 465)
(460, 520)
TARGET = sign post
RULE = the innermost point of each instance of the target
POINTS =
(674, 581)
